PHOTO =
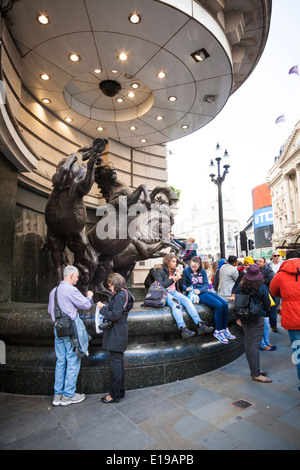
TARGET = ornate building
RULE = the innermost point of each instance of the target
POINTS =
(284, 182)
(202, 223)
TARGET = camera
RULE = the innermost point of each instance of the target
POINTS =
(101, 323)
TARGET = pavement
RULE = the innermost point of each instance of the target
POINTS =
(189, 415)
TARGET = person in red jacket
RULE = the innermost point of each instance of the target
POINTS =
(286, 284)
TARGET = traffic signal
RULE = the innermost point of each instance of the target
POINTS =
(243, 239)
(251, 244)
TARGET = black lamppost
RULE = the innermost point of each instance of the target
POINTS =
(218, 180)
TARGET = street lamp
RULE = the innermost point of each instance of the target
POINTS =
(218, 180)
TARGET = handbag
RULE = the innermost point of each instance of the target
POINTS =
(272, 301)
(63, 322)
(194, 298)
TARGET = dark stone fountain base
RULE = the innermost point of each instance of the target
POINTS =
(156, 353)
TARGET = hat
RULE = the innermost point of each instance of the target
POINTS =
(249, 260)
(253, 273)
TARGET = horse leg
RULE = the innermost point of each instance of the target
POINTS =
(134, 197)
(56, 246)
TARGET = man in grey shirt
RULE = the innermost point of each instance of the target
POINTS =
(228, 276)
(67, 363)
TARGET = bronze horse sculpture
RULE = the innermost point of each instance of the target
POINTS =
(125, 216)
(65, 212)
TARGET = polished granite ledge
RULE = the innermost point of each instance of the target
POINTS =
(156, 353)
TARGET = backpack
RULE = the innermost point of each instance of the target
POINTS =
(156, 296)
(80, 338)
(245, 308)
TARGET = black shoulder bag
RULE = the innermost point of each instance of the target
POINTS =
(63, 322)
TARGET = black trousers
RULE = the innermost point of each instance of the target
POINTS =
(118, 374)
(253, 335)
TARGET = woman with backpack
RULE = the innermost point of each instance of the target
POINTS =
(253, 284)
(115, 338)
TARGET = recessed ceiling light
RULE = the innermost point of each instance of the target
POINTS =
(135, 85)
(43, 19)
(74, 57)
(68, 119)
(97, 70)
(134, 18)
(120, 100)
(46, 100)
(143, 140)
(132, 128)
(114, 71)
(159, 118)
(210, 98)
(44, 76)
(200, 56)
(172, 98)
(161, 74)
(184, 126)
(131, 94)
(100, 128)
(123, 56)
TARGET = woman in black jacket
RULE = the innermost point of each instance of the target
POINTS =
(115, 339)
(253, 283)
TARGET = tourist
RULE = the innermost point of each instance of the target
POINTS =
(217, 273)
(252, 283)
(268, 275)
(195, 280)
(115, 338)
(67, 363)
(228, 276)
(286, 284)
(210, 273)
(169, 277)
(274, 264)
(190, 248)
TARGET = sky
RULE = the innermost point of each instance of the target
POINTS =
(246, 124)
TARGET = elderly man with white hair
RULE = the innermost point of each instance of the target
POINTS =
(67, 367)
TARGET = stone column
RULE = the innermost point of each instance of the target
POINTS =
(297, 193)
(8, 194)
(288, 199)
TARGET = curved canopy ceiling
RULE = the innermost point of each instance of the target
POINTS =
(147, 108)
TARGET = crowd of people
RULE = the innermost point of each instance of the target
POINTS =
(187, 281)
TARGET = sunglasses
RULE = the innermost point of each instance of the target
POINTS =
(276, 256)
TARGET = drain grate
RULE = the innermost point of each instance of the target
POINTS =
(242, 404)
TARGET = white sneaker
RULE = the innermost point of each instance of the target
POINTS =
(77, 398)
(220, 336)
(57, 400)
(227, 334)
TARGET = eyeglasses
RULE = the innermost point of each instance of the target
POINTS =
(276, 256)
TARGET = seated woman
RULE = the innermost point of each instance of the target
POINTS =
(195, 279)
(169, 277)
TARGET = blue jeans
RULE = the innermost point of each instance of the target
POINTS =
(273, 311)
(175, 300)
(295, 342)
(67, 367)
(265, 339)
(220, 307)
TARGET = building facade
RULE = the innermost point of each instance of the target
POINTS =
(284, 182)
